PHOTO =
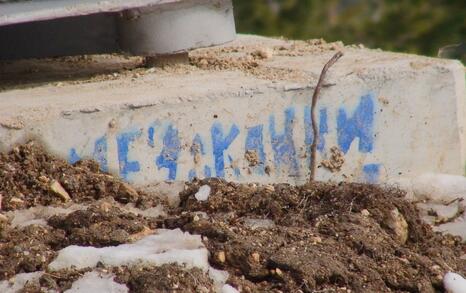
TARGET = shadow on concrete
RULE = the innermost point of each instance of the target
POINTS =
(29, 73)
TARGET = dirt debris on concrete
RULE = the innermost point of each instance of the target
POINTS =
(319, 237)
(335, 161)
(252, 59)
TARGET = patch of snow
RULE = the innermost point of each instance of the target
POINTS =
(97, 282)
(16, 283)
(259, 223)
(203, 193)
(153, 212)
(228, 289)
(218, 277)
(443, 211)
(39, 215)
(457, 228)
(439, 188)
(454, 283)
(169, 190)
(168, 246)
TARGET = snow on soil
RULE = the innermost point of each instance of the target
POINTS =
(97, 282)
(168, 246)
(39, 215)
(17, 283)
(165, 247)
(229, 289)
(435, 187)
(153, 212)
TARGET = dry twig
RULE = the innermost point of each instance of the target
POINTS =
(313, 113)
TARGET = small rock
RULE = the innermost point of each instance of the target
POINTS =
(278, 272)
(255, 256)
(128, 193)
(264, 53)
(12, 123)
(203, 193)
(316, 240)
(365, 213)
(269, 188)
(3, 218)
(203, 63)
(397, 223)
(221, 256)
(141, 234)
(112, 123)
(58, 189)
(16, 201)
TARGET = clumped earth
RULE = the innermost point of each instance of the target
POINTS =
(27, 174)
(143, 279)
(319, 237)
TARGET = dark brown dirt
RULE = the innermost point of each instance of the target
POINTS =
(166, 278)
(273, 238)
(32, 248)
(326, 237)
(142, 279)
(27, 171)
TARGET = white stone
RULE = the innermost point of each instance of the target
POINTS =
(454, 283)
(203, 193)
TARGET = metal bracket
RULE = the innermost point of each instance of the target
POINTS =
(36, 29)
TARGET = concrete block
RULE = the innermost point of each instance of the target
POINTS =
(241, 112)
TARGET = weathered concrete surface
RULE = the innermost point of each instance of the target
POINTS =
(241, 112)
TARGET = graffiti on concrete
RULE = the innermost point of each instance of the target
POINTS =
(353, 126)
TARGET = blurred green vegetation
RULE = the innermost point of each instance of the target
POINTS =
(414, 26)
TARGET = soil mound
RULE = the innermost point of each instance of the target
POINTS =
(319, 237)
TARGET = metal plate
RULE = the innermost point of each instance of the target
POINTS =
(48, 28)
(14, 12)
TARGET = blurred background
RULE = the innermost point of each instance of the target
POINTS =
(414, 26)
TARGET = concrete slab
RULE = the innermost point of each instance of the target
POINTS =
(241, 111)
